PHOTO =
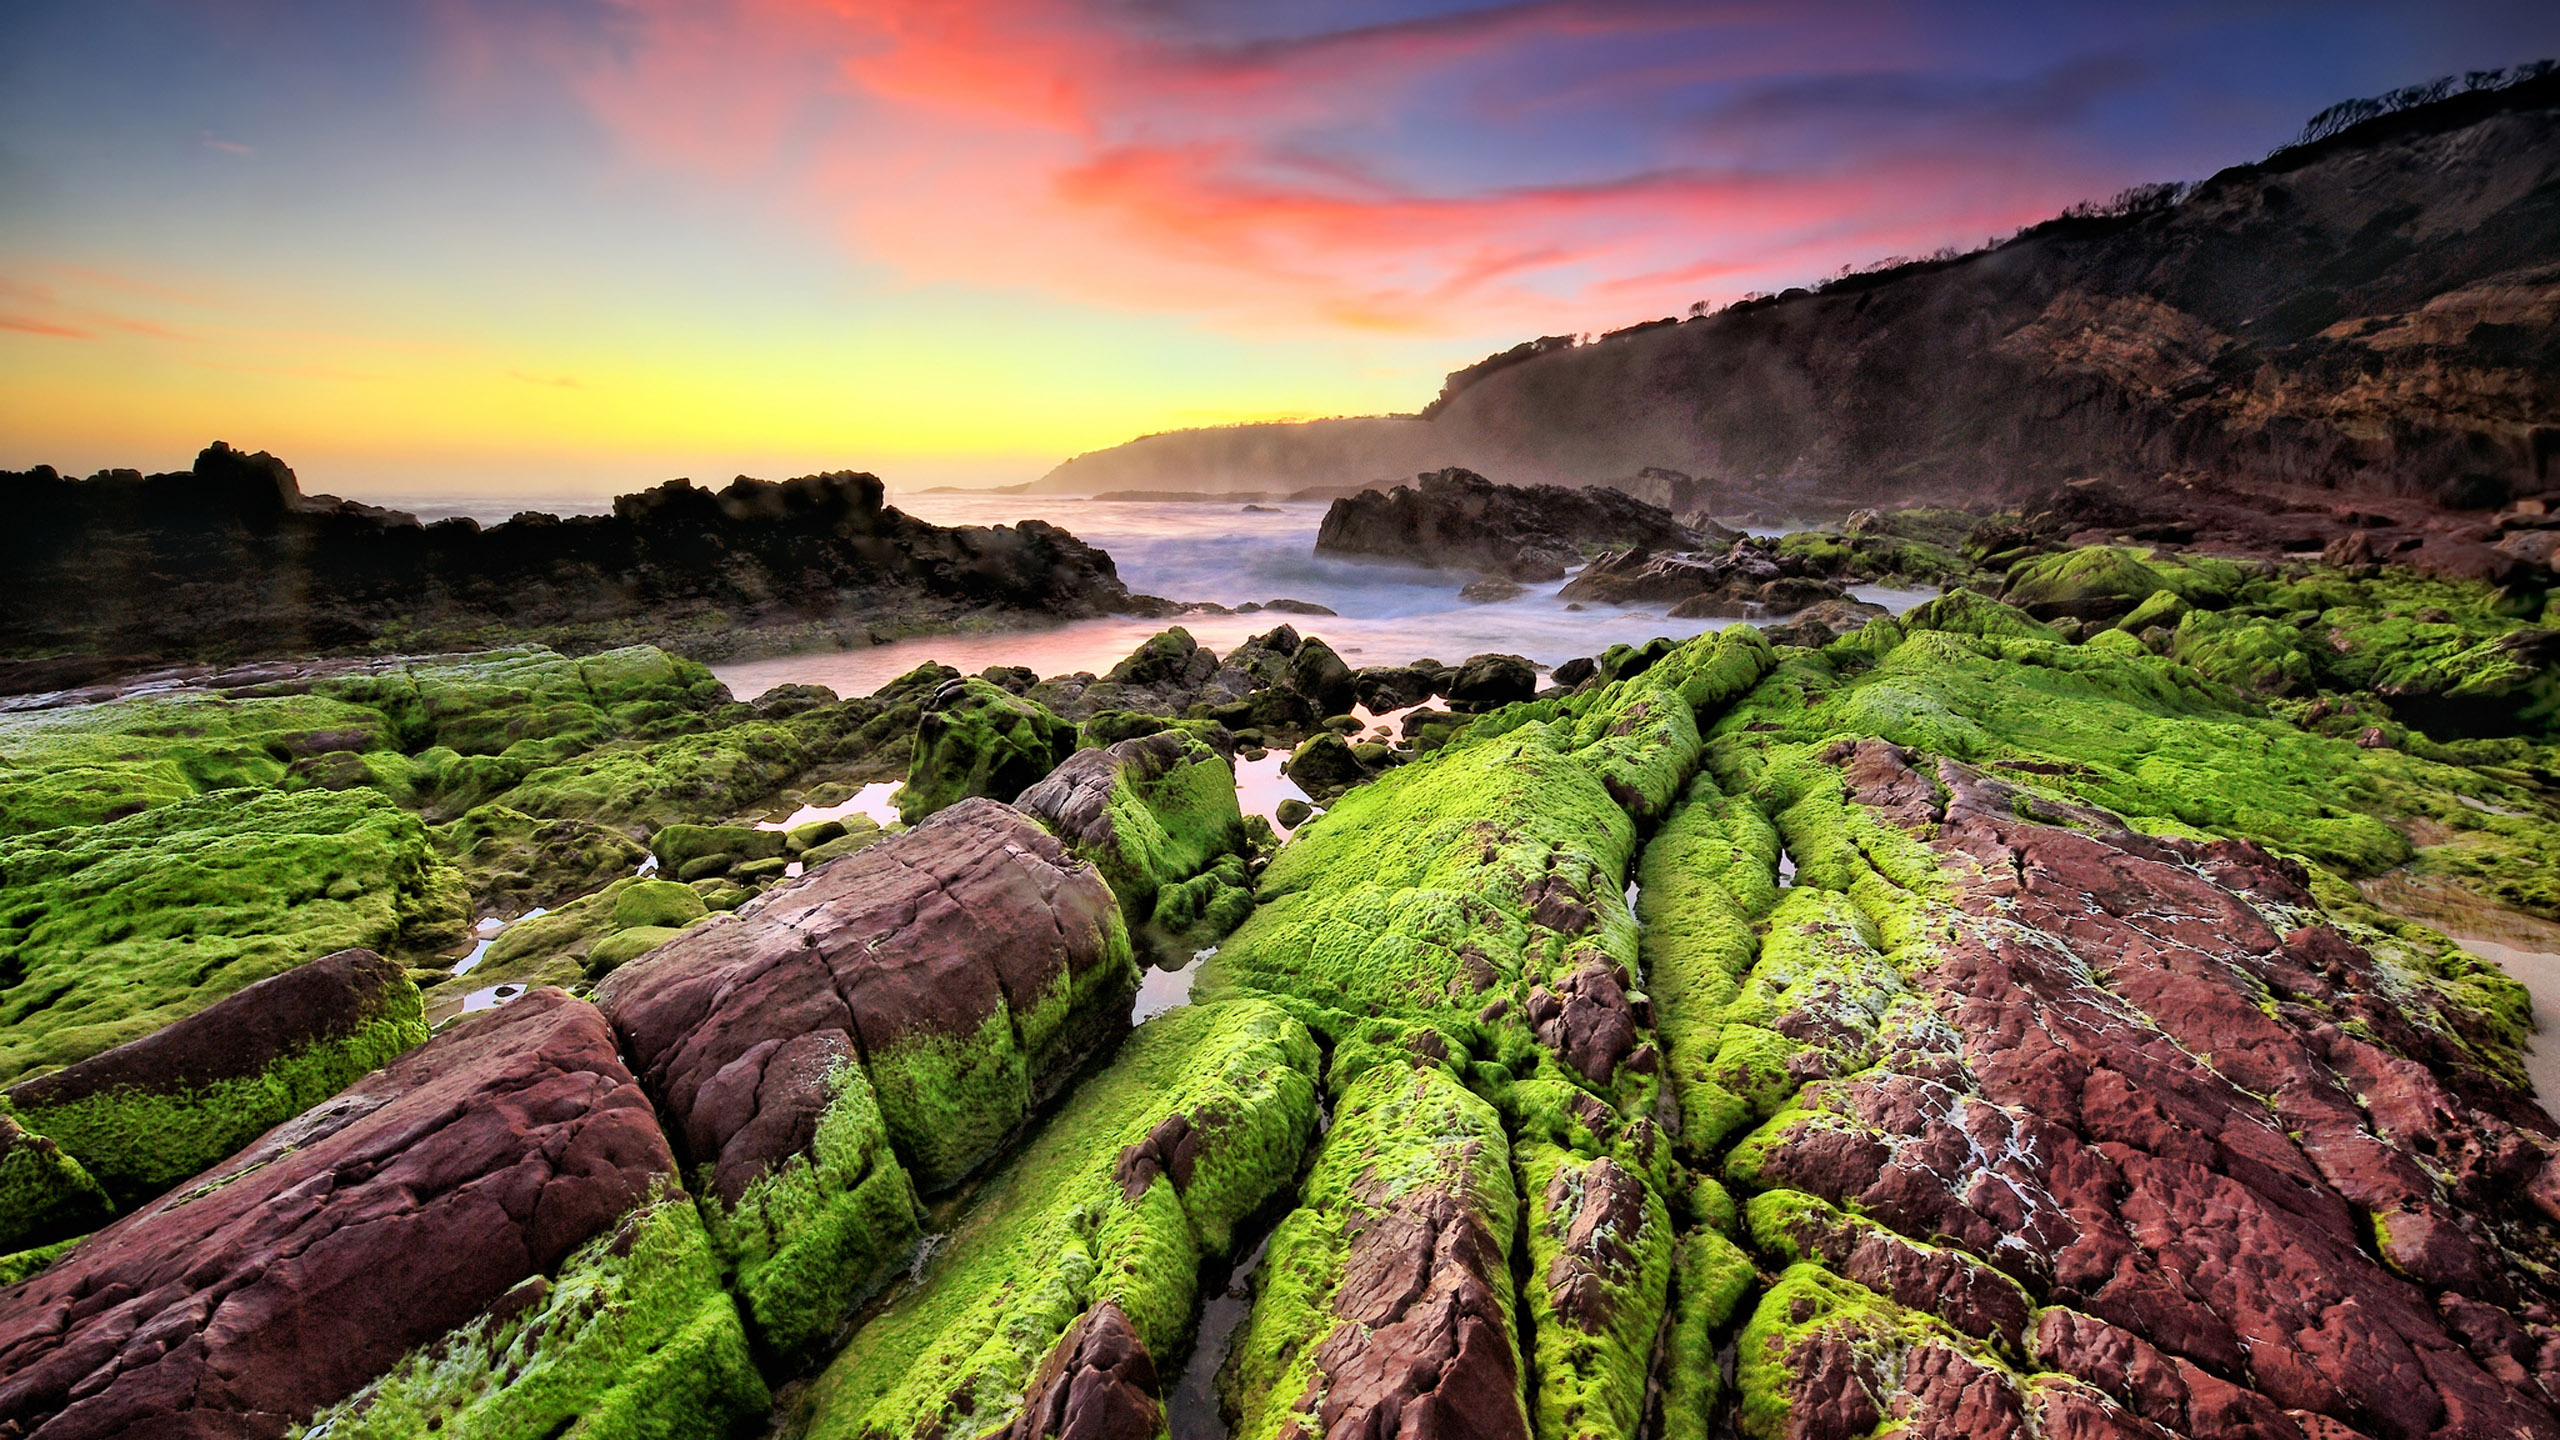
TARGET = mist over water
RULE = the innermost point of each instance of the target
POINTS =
(1221, 553)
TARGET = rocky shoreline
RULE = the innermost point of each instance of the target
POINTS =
(1968, 1022)
(230, 560)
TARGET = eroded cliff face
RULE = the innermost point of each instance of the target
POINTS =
(2377, 314)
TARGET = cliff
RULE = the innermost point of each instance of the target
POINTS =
(2376, 313)
(231, 558)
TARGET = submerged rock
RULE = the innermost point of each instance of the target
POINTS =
(483, 1235)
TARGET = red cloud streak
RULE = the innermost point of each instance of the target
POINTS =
(1043, 145)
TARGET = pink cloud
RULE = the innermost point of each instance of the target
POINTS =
(1039, 145)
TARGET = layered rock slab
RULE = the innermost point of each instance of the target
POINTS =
(1386, 1307)
(153, 1111)
(1069, 1285)
(2146, 1079)
(448, 1200)
(898, 1012)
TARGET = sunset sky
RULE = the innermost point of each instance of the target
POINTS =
(572, 246)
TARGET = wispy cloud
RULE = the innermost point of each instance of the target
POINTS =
(25, 326)
(227, 147)
(1350, 176)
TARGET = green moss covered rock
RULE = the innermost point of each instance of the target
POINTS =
(1140, 1179)
(1152, 813)
(45, 1194)
(975, 739)
(153, 1111)
(112, 931)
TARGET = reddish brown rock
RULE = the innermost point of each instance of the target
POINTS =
(304, 1267)
(2273, 1169)
(1098, 1383)
(212, 1078)
(939, 958)
(1423, 1348)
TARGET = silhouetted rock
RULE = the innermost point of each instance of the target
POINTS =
(231, 558)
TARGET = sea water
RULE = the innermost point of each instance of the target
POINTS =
(1224, 554)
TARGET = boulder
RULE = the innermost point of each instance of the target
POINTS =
(711, 849)
(1324, 766)
(486, 1231)
(899, 1012)
(1148, 813)
(153, 1111)
(1488, 682)
(1639, 576)
(1393, 687)
(1457, 519)
(1819, 624)
(974, 739)
(1318, 674)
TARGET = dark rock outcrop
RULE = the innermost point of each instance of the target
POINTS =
(232, 558)
(309, 1265)
(1457, 519)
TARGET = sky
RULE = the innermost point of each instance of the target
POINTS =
(566, 247)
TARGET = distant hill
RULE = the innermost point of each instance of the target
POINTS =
(2374, 311)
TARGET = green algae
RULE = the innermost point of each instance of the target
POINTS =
(1710, 1278)
(111, 931)
(1708, 875)
(806, 1241)
(977, 739)
(657, 902)
(1808, 1305)
(28, 1264)
(84, 764)
(1400, 1136)
(45, 1193)
(1057, 1232)
(1169, 822)
(515, 861)
(1595, 1307)
(139, 1142)
(632, 1338)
